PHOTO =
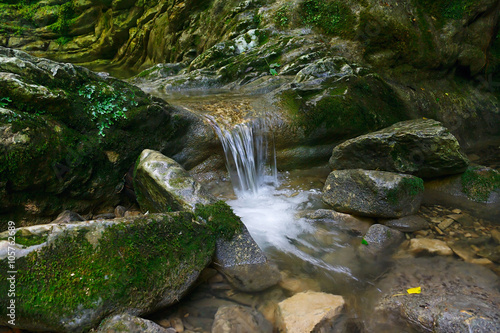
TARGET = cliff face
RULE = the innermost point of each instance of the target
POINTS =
(437, 35)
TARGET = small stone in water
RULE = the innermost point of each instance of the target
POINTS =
(456, 211)
(445, 224)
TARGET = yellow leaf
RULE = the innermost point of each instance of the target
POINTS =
(416, 290)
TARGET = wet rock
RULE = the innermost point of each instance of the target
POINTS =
(298, 285)
(107, 216)
(420, 147)
(379, 241)
(429, 246)
(244, 264)
(373, 193)
(68, 216)
(125, 323)
(120, 211)
(159, 255)
(476, 190)
(350, 222)
(455, 297)
(310, 311)
(162, 185)
(495, 234)
(239, 318)
(409, 223)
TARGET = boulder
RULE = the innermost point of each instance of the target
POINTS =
(310, 312)
(356, 224)
(455, 297)
(70, 276)
(379, 241)
(125, 323)
(373, 193)
(477, 190)
(409, 223)
(241, 319)
(162, 185)
(423, 147)
(68, 216)
(244, 264)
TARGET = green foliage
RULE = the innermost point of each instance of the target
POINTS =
(282, 16)
(478, 183)
(29, 240)
(272, 69)
(257, 19)
(443, 10)
(4, 101)
(105, 106)
(333, 17)
(63, 40)
(65, 18)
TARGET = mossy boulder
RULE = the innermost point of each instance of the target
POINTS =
(373, 193)
(477, 189)
(422, 147)
(68, 136)
(162, 185)
(79, 273)
(125, 323)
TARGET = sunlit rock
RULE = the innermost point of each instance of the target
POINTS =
(429, 246)
(420, 147)
(373, 193)
(310, 312)
(162, 185)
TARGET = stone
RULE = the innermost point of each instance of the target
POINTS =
(68, 216)
(495, 234)
(310, 311)
(125, 323)
(244, 264)
(445, 224)
(357, 224)
(159, 256)
(455, 297)
(120, 211)
(297, 285)
(409, 223)
(373, 193)
(422, 147)
(477, 190)
(239, 318)
(429, 246)
(162, 185)
(379, 241)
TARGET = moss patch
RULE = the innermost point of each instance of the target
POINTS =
(132, 266)
(220, 218)
(332, 17)
(478, 183)
(29, 240)
(409, 187)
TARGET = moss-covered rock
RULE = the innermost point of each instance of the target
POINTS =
(420, 147)
(124, 323)
(68, 136)
(373, 193)
(84, 272)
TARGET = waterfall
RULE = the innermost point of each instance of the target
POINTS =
(250, 154)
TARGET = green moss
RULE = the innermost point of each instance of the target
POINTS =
(220, 218)
(134, 262)
(332, 17)
(282, 17)
(410, 187)
(29, 240)
(445, 10)
(478, 183)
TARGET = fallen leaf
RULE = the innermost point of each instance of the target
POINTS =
(416, 290)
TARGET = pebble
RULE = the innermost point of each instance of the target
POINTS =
(445, 224)
(495, 234)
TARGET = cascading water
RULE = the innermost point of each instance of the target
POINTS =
(250, 155)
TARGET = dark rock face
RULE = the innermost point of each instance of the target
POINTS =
(68, 136)
(456, 296)
(373, 193)
(420, 147)
(239, 318)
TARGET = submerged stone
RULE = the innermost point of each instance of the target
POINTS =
(373, 193)
(241, 319)
(409, 223)
(456, 297)
(423, 147)
(379, 241)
